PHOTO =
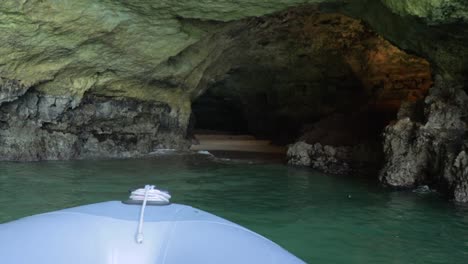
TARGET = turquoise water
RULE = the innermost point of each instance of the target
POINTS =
(318, 217)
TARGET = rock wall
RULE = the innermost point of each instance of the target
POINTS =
(329, 159)
(38, 126)
(433, 29)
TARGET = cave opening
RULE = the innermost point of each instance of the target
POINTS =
(216, 113)
(305, 75)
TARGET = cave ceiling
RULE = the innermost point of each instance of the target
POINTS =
(158, 50)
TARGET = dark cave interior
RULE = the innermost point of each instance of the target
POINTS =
(323, 78)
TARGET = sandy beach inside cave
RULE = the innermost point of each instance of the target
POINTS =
(243, 143)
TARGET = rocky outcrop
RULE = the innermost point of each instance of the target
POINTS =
(357, 159)
(10, 90)
(329, 159)
(298, 154)
(459, 170)
(44, 127)
(433, 29)
(429, 149)
(104, 78)
(340, 144)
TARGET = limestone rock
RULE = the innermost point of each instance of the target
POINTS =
(329, 159)
(400, 170)
(326, 158)
(298, 154)
(10, 90)
(460, 172)
(45, 127)
(430, 152)
(74, 68)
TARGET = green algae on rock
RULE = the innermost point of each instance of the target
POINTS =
(433, 11)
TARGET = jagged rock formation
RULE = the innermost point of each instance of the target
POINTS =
(329, 159)
(340, 144)
(44, 127)
(428, 147)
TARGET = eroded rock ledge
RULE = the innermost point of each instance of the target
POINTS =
(45, 127)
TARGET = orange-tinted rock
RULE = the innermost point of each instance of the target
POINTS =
(299, 66)
(388, 74)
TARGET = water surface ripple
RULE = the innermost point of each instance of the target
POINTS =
(320, 218)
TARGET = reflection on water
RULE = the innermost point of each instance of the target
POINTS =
(320, 218)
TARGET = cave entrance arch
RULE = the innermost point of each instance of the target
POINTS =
(219, 113)
(306, 72)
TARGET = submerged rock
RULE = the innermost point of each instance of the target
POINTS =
(460, 172)
(423, 189)
(361, 158)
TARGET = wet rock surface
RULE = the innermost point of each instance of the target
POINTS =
(358, 159)
(45, 127)
(329, 159)
(298, 154)
(425, 146)
(459, 170)
(339, 144)
(430, 151)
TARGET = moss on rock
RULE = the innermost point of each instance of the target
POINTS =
(433, 11)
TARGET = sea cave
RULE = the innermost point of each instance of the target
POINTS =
(362, 104)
